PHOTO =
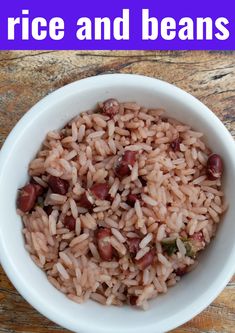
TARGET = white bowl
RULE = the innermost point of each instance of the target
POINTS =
(195, 291)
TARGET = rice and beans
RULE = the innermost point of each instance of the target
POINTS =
(119, 204)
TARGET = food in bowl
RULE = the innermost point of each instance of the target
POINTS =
(120, 203)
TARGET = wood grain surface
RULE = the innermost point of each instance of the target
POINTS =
(27, 76)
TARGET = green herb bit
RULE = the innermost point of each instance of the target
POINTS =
(169, 246)
(189, 249)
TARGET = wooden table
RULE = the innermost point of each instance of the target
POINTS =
(26, 77)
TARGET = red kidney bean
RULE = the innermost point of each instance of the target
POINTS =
(27, 198)
(181, 271)
(175, 145)
(133, 300)
(146, 260)
(70, 222)
(129, 157)
(58, 185)
(103, 241)
(110, 107)
(143, 181)
(109, 198)
(39, 188)
(131, 199)
(197, 243)
(133, 244)
(214, 167)
(122, 168)
(48, 209)
(86, 200)
(100, 191)
(198, 236)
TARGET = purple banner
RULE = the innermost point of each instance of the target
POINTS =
(117, 25)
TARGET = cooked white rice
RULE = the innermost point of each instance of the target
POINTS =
(176, 211)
